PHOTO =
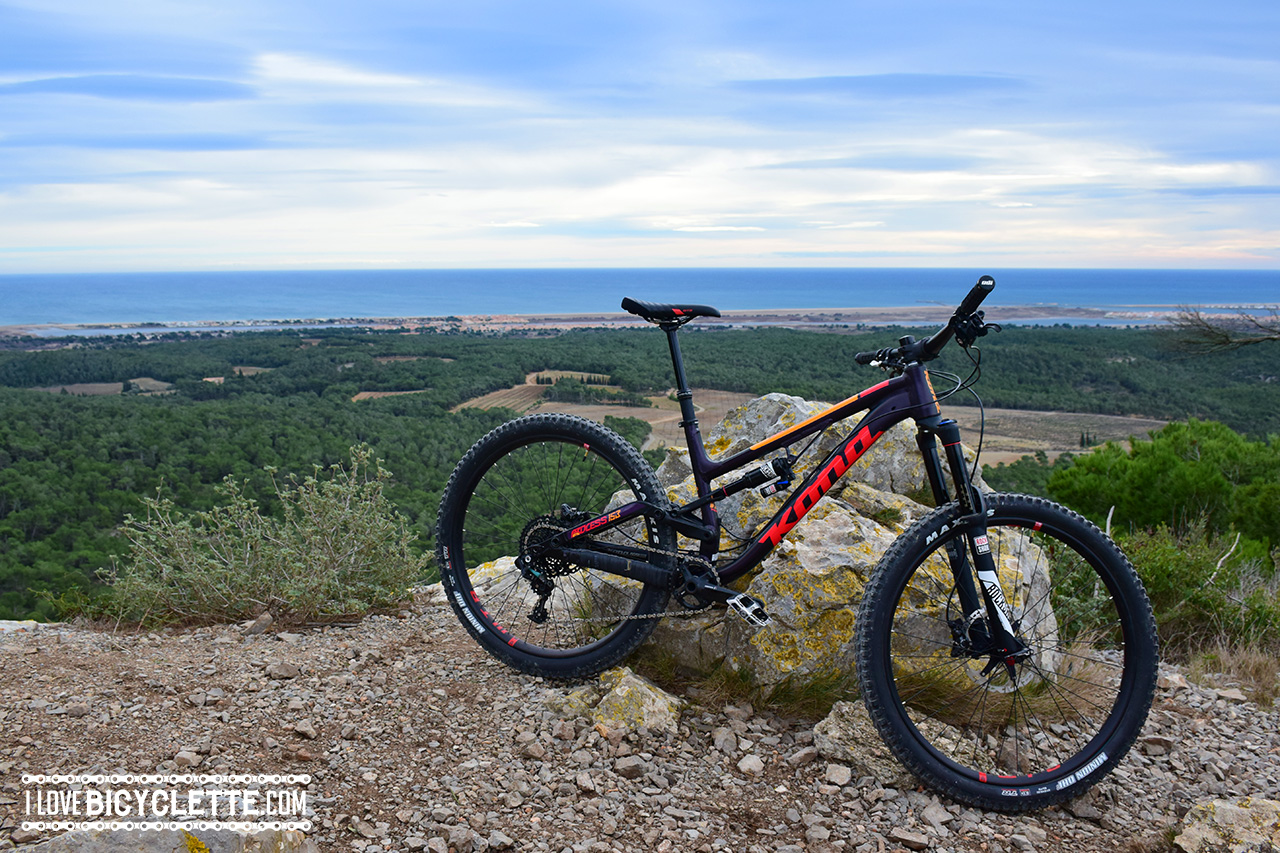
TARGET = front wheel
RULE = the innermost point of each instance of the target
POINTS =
(522, 484)
(991, 731)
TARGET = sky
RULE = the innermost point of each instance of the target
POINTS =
(274, 134)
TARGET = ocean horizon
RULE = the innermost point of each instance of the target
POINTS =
(159, 298)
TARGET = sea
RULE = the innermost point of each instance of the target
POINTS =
(88, 303)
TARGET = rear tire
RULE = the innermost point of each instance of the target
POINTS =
(1040, 731)
(521, 483)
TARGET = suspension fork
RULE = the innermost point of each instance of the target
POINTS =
(986, 595)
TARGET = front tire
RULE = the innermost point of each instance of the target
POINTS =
(522, 483)
(1008, 737)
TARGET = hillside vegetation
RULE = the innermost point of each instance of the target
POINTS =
(72, 467)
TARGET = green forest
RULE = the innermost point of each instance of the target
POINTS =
(73, 467)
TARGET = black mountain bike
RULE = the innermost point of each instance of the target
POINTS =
(1005, 648)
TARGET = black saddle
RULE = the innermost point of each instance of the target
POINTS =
(657, 312)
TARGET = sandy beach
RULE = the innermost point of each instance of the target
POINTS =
(792, 318)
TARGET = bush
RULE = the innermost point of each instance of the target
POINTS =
(339, 548)
(1197, 469)
(1200, 598)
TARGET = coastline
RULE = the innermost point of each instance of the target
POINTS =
(781, 317)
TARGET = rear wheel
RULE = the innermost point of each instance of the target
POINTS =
(521, 484)
(996, 733)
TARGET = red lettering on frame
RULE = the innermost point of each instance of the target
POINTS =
(834, 470)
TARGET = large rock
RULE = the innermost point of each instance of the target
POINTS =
(619, 700)
(812, 583)
(1251, 825)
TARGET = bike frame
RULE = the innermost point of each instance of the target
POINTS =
(907, 395)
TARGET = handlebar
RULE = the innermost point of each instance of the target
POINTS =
(985, 285)
(966, 317)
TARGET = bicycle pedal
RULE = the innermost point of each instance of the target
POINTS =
(750, 609)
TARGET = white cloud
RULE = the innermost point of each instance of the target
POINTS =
(708, 228)
(280, 67)
(294, 77)
(837, 226)
(484, 153)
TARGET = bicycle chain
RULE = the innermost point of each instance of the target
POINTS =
(683, 613)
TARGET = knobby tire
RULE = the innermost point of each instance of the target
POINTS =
(1045, 730)
(520, 484)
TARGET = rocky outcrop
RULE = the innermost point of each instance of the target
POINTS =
(424, 742)
(812, 582)
(1249, 825)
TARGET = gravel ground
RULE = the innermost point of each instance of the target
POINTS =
(415, 739)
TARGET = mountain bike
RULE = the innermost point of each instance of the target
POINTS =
(1005, 648)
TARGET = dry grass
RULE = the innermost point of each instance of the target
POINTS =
(375, 395)
(1253, 667)
(950, 691)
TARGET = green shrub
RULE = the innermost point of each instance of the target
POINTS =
(1200, 598)
(1187, 471)
(338, 548)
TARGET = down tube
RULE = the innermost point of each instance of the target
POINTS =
(816, 485)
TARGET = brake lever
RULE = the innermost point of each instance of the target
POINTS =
(969, 329)
(892, 367)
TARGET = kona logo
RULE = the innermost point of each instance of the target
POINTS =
(803, 502)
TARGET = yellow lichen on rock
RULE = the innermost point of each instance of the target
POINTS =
(632, 702)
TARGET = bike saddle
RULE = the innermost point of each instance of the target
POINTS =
(657, 312)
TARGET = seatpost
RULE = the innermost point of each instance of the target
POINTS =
(683, 395)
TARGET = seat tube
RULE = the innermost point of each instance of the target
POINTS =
(698, 459)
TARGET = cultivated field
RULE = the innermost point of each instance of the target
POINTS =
(1014, 433)
(664, 417)
(373, 395)
(144, 384)
(1010, 433)
(521, 398)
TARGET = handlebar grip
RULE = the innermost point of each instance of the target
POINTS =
(980, 290)
(865, 357)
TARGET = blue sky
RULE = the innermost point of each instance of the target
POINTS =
(275, 134)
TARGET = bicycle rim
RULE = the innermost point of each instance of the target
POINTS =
(524, 493)
(1041, 727)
